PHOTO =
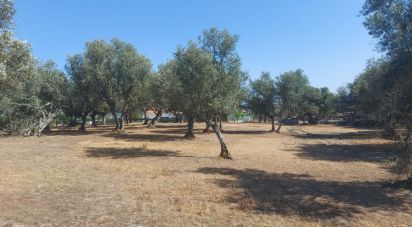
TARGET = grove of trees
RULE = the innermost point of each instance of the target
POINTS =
(203, 81)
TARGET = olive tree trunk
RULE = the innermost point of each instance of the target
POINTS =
(83, 124)
(272, 120)
(146, 121)
(152, 123)
(190, 122)
(93, 117)
(224, 152)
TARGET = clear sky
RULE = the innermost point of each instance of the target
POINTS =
(325, 38)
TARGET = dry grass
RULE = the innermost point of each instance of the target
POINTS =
(306, 176)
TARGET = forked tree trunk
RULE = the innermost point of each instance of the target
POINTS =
(152, 123)
(190, 122)
(121, 124)
(44, 123)
(278, 130)
(116, 120)
(126, 119)
(272, 120)
(146, 121)
(280, 122)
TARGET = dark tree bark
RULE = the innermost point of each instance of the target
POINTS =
(278, 130)
(272, 120)
(190, 122)
(265, 119)
(47, 129)
(260, 118)
(152, 123)
(116, 120)
(112, 107)
(280, 121)
(126, 119)
(146, 121)
(83, 124)
(93, 117)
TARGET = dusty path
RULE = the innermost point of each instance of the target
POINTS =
(312, 175)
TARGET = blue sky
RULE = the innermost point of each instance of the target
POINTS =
(325, 38)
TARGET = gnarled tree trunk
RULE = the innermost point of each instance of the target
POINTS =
(224, 152)
(116, 120)
(278, 130)
(37, 128)
(152, 123)
(272, 120)
(83, 124)
(190, 122)
(146, 121)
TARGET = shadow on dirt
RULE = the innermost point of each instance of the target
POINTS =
(119, 153)
(376, 153)
(360, 135)
(292, 194)
(145, 137)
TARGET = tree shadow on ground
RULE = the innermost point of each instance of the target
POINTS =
(76, 132)
(180, 131)
(244, 132)
(293, 194)
(375, 153)
(170, 125)
(360, 135)
(145, 137)
(119, 153)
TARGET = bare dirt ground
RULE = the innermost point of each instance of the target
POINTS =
(306, 176)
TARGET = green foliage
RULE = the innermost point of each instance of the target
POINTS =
(327, 103)
(263, 95)
(7, 12)
(30, 93)
(114, 73)
(239, 114)
(292, 86)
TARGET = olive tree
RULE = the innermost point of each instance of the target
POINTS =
(291, 87)
(83, 97)
(119, 72)
(264, 97)
(164, 94)
(390, 22)
(29, 90)
(206, 94)
(221, 45)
